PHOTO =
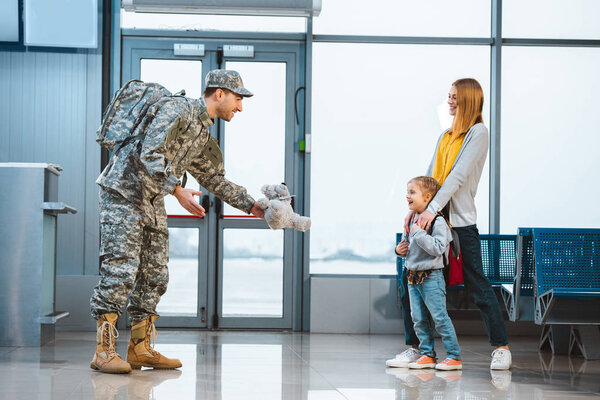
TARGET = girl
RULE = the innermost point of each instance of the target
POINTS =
(425, 252)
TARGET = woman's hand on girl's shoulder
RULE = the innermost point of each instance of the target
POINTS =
(425, 219)
(415, 227)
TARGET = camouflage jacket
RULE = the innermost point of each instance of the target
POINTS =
(169, 141)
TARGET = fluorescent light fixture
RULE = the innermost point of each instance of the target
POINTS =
(281, 8)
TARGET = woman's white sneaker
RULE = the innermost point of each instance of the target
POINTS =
(501, 359)
(401, 361)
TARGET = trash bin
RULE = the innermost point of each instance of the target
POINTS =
(28, 216)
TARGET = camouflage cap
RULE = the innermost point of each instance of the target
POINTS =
(227, 79)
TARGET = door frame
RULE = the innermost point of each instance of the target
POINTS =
(137, 44)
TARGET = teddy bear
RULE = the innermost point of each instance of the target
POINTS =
(278, 209)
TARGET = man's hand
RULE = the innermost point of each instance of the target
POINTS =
(257, 211)
(185, 197)
(402, 248)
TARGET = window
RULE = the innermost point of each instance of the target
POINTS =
(252, 274)
(460, 18)
(551, 19)
(549, 138)
(182, 297)
(376, 121)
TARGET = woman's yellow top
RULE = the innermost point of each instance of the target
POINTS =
(446, 154)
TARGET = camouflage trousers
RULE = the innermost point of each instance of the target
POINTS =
(134, 251)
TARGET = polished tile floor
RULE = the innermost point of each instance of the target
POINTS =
(273, 365)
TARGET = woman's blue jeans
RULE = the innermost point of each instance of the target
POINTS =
(431, 295)
(478, 286)
(410, 336)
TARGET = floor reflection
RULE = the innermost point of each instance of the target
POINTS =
(426, 383)
(279, 365)
(501, 380)
(139, 385)
(577, 371)
(254, 371)
(148, 383)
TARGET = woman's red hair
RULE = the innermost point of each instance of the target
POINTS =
(469, 99)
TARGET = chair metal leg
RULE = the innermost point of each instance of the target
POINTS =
(509, 303)
(587, 340)
(544, 304)
(557, 337)
(547, 365)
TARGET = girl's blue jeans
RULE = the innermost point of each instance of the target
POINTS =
(431, 295)
(477, 285)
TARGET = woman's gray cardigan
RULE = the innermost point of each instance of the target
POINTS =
(460, 186)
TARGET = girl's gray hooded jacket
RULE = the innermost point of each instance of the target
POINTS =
(426, 251)
(460, 186)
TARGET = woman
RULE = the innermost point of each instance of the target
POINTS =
(457, 164)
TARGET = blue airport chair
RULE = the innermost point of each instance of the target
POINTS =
(518, 294)
(567, 289)
(567, 265)
(498, 256)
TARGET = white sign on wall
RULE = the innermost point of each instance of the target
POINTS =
(9, 21)
(61, 23)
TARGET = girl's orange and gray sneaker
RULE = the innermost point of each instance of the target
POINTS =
(106, 358)
(449, 364)
(423, 362)
(141, 353)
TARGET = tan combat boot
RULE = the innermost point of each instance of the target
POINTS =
(141, 353)
(106, 358)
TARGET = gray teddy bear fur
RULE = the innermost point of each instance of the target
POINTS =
(278, 209)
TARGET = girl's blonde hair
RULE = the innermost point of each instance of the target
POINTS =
(469, 99)
(427, 184)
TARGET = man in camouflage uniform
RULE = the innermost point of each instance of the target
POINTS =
(134, 237)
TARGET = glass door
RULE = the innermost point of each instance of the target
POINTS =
(229, 269)
(255, 271)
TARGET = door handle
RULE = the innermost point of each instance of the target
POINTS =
(203, 314)
(206, 203)
(218, 207)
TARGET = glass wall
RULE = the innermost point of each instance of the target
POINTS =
(551, 19)
(377, 110)
(181, 298)
(405, 18)
(549, 137)
(377, 113)
(252, 280)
